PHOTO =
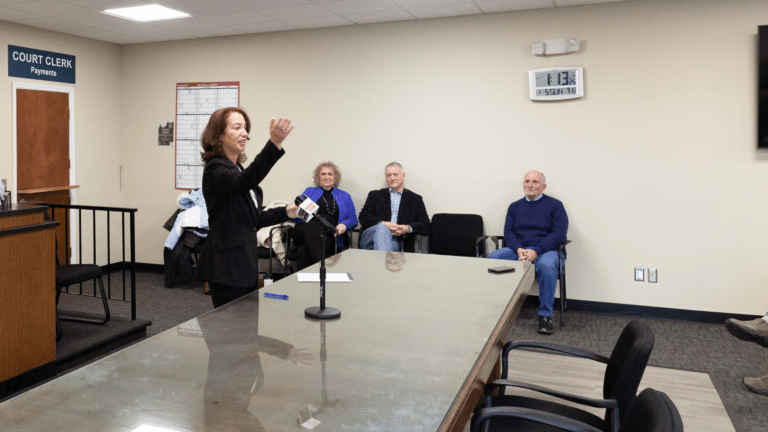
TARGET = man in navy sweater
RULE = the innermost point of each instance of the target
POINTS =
(535, 227)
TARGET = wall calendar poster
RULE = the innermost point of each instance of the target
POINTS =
(195, 102)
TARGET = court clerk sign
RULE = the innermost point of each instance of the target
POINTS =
(40, 65)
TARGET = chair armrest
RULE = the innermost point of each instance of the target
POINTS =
(418, 241)
(495, 240)
(573, 351)
(541, 417)
(592, 402)
(477, 246)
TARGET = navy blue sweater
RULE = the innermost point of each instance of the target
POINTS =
(539, 225)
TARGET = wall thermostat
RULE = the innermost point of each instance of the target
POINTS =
(556, 83)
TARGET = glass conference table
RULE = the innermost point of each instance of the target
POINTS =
(418, 337)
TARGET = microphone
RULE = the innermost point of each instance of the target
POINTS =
(308, 209)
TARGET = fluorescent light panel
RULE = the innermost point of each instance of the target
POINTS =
(146, 13)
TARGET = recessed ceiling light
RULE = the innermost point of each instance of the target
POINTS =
(146, 13)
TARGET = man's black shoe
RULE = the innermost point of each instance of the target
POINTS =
(546, 326)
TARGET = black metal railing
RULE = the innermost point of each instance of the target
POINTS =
(124, 265)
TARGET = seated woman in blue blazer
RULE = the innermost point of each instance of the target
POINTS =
(334, 205)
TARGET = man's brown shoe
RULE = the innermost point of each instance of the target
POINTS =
(752, 331)
(757, 385)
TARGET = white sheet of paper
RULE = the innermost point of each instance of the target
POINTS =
(329, 277)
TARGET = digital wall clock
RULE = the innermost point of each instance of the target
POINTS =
(556, 83)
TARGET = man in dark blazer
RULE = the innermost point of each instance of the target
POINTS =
(392, 212)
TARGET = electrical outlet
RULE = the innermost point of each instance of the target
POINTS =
(639, 274)
(653, 275)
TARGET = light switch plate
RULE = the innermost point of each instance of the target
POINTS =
(639, 274)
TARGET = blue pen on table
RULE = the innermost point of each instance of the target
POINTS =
(276, 296)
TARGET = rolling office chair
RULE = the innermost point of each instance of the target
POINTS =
(560, 274)
(652, 411)
(623, 372)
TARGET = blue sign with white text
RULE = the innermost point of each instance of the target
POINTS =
(40, 65)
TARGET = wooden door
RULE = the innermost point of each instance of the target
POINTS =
(42, 148)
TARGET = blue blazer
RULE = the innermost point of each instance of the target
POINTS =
(347, 213)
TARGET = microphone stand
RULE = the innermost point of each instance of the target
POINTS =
(322, 312)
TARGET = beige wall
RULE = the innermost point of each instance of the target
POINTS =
(656, 165)
(97, 117)
(97, 108)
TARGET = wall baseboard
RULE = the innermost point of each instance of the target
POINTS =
(652, 312)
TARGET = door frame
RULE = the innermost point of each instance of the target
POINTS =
(72, 192)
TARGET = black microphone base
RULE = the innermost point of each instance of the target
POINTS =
(327, 313)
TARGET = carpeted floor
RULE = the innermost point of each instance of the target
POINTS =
(683, 345)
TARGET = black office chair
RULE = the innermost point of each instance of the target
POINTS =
(292, 253)
(623, 372)
(71, 274)
(420, 241)
(560, 274)
(652, 411)
(457, 234)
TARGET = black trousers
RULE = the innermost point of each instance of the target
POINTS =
(223, 294)
(307, 238)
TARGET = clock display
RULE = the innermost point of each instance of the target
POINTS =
(556, 83)
(556, 78)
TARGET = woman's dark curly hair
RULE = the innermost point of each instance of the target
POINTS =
(217, 124)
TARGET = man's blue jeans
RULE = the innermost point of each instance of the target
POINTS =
(379, 237)
(547, 266)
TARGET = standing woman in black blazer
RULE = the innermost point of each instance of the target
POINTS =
(229, 259)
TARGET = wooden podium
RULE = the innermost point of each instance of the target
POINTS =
(27, 294)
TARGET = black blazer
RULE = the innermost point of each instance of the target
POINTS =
(377, 208)
(229, 256)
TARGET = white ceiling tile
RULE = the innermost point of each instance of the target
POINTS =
(184, 23)
(513, 5)
(327, 21)
(48, 8)
(426, 3)
(92, 19)
(360, 6)
(131, 28)
(582, 2)
(205, 7)
(265, 27)
(297, 12)
(444, 11)
(374, 17)
(213, 32)
(5, 2)
(166, 35)
(100, 5)
(234, 18)
(14, 15)
(264, 4)
(48, 23)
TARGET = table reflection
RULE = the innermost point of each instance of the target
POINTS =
(394, 261)
(235, 372)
